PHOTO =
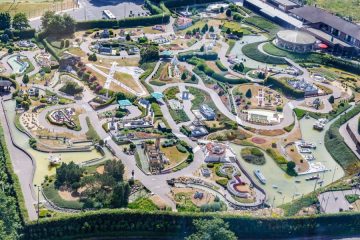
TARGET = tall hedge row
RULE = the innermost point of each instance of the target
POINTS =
(342, 64)
(109, 222)
(184, 56)
(284, 87)
(50, 49)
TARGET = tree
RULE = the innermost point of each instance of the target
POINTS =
(128, 38)
(211, 29)
(57, 24)
(183, 76)
(248, 93)
(9, 33)
(25, 79)
(212, 229)
(92, 57)
(115, 169)
(20, 21)
(149, 53)
(71, 88)
(4, 38)
(290, 166)
(331, 99)
(68, 174)
(228, 31)
(202, 48)
(193, 78)
(120, 195)
(5, 20)
(228, 13)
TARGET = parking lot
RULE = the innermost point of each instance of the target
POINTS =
(92, 10)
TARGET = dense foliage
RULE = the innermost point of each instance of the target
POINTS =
(212, 229)
(149, 53)
(58, 25)
(71, 88)
(10, 197)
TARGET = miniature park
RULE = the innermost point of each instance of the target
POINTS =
(214, 107)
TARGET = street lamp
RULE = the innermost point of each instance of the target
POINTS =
(38, 203)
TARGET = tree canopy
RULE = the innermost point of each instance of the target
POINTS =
(58, 25)
(212, 229)
(20, 21)
(5, 20)
(149, 53)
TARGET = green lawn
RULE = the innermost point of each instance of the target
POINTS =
(251, 51)
(144, 204)
(263, 24)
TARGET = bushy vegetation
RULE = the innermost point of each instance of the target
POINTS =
(203, 67)
(253, 155)
(12, 207)
(144, 204)
(211, 56)
(159, 224)
(336, 146)
(221, 66)
(71, 88)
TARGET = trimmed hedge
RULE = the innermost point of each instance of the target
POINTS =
(203, 67)
(184, 56)
(284, 87)
(25, 33)
(251, 51)
(336, 146)
(50, 49)
(178, 225)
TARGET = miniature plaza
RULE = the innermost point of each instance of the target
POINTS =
(206, 113)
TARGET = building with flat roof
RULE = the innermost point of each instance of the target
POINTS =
(284, 5)
(295, 41)
(327, 27)
(207, 112)
(183, 22)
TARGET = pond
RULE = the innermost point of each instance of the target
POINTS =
(18, 64)
(285, 184)
(41, 158)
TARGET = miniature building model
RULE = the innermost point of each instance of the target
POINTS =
(154, 155)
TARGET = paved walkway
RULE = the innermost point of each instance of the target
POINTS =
(335, 201)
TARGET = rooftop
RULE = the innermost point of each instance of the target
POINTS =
(297, 37)
(318, 15)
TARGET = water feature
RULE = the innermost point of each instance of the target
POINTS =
(278, 181)
(18, 64)
(41, 158)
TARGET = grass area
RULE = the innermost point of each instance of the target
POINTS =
(198, 24)
(174, 155)
(336, 146)
(263, 24)
(34, 8)
(337, 110)
(126, 79)
(345, 8)
(179, 116)
(144, 204)
(290, 127)
(200, 97)
(30, 68)
(251, 51)
(91, 134)
(52, 194)
(235, 27)
(297, 57)
(220, 65)
(184, 203)
(351, 198)
(181, 166)
(231, 43)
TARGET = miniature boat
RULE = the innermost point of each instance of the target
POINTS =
(279, 192)
(260, 176)
(312, 178)
(305, 150)
(274, 186)
(297, 181)
(320, 182)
